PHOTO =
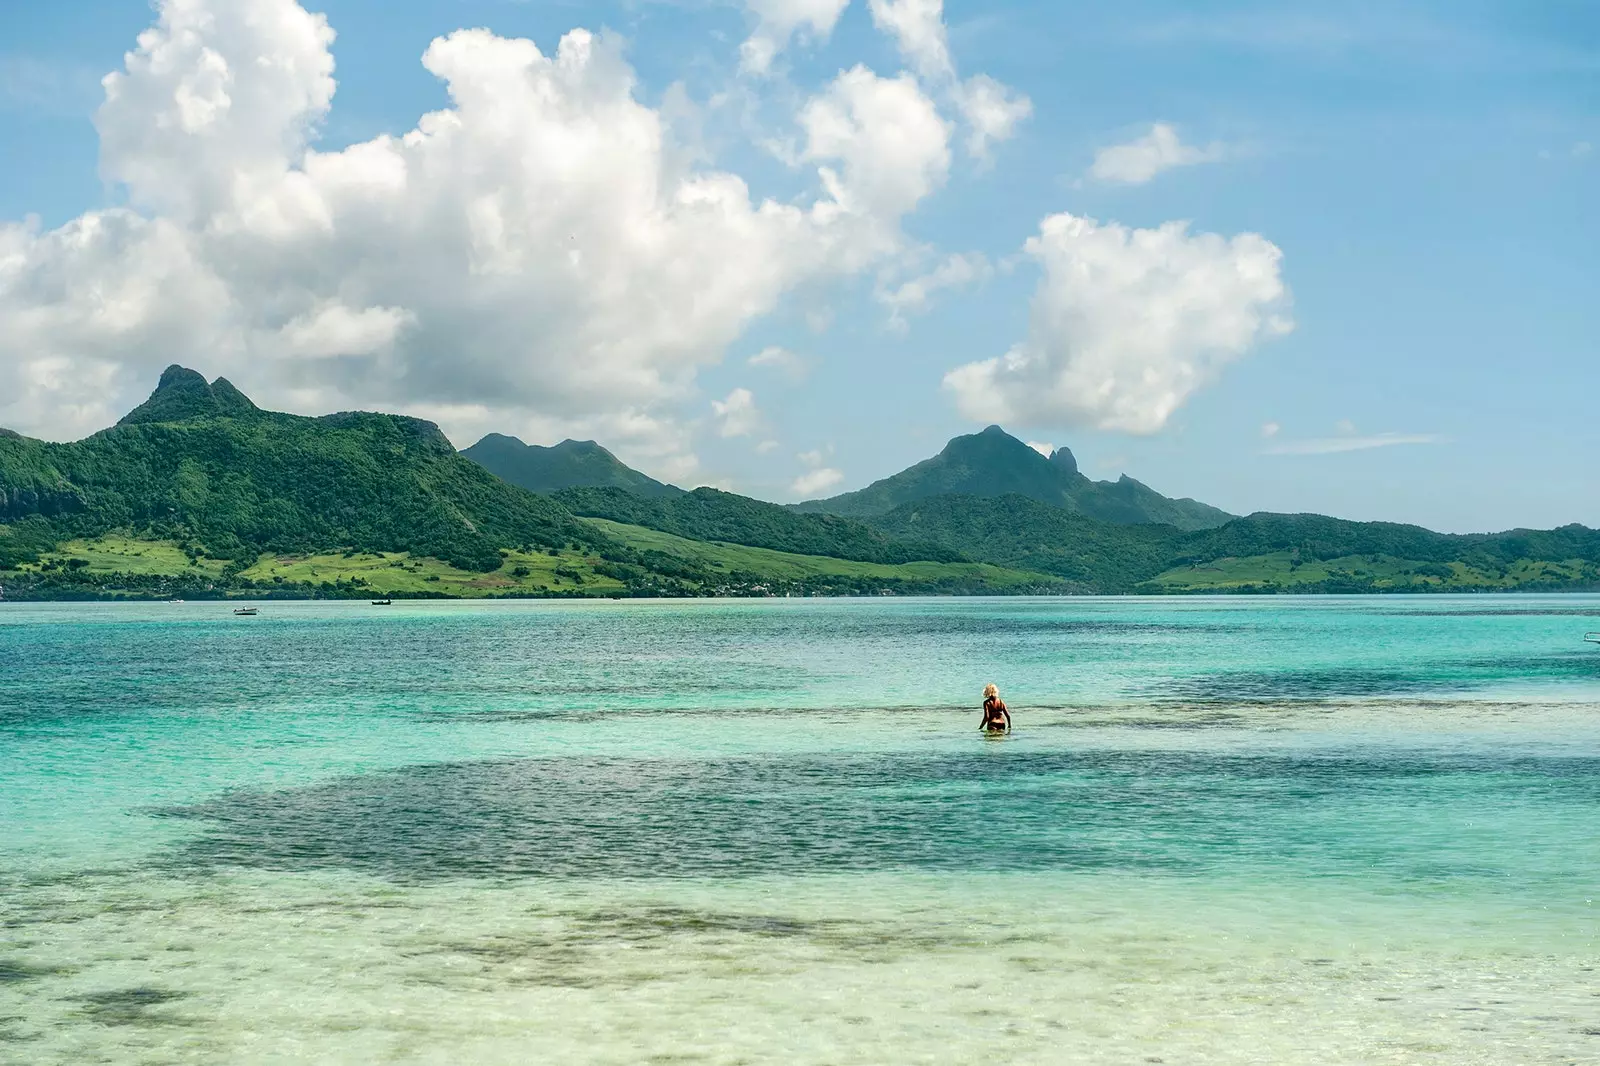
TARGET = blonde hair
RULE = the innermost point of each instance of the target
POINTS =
(990, 690)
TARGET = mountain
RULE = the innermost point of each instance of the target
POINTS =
(183, 395)
(1016, 530)
(1261, 552)
(994, 463)
(570, 464)
(708, 514)
(199, 463)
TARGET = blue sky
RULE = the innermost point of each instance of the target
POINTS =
(1395, 319)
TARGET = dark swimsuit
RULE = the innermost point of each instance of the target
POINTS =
(994, 715)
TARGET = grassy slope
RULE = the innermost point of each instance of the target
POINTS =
(788, 566)
(723, 517)
(400, 574)
(731, 566)
(386, 573)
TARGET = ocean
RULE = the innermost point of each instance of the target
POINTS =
(1232, 830)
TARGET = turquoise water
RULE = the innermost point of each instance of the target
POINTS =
(1277, 830)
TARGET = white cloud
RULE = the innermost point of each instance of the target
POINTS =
(894, 147)
(1140, 160)
(539, 251)
(1332, 445)
(1044, 448)
(792, 366)
(738, 414)
(333, 329)
(779, 20)
(819, 477)
(915, 295)
(991, 110)
(1270, 429)
(917, 27)
(1127, 325)
(766, 447)
(815, 482)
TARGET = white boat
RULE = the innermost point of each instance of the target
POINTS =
(1592, 638)
(244, 610)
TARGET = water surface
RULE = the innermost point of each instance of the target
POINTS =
(1233, 830)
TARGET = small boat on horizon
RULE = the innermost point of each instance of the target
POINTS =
(382, 603)
(245, 610)
(1592, 638)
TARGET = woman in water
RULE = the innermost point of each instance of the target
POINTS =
(996, 718)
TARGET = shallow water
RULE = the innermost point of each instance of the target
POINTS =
(1340, 830)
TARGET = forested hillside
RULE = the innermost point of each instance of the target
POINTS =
(994, 463)
(711, 515)
(234, 481)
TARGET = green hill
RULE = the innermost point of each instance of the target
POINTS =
(710, 515)
(1258, 553)
(1017, 531)
(994, 463)
(199, 464)
(570, 464)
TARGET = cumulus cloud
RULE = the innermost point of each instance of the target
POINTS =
(892, 144)
(738, 415)
(955, 271)
(917, 27)
(992, 111)
(535, 253)
(818, 478)
(1127, 325)
(779, 20)
(1141, 159)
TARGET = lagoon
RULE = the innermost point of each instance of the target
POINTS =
(1225, 830)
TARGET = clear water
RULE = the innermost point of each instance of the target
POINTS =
(1320, 830)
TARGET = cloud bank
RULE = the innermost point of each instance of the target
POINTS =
(1126, 325)
(534, 253)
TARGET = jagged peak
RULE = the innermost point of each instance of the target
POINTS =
(183, 394)
(1064, 458)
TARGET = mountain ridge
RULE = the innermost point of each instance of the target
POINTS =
(568, 465)
(993, 463)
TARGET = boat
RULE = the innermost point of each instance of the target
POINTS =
(244, 610)
(1592, 638)
(382, 603)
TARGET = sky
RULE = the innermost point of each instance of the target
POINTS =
(1273, 256)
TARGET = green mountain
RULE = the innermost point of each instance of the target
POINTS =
(183, 395)
(994, 463)
(570, 464)
(1260, 552)
(1018, 531)
(199, 463)
(710, 515)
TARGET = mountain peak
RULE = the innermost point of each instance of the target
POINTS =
(183, 394)
(992, 463)
(570, 464)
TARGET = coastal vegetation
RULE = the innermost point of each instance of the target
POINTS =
(200, 493)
